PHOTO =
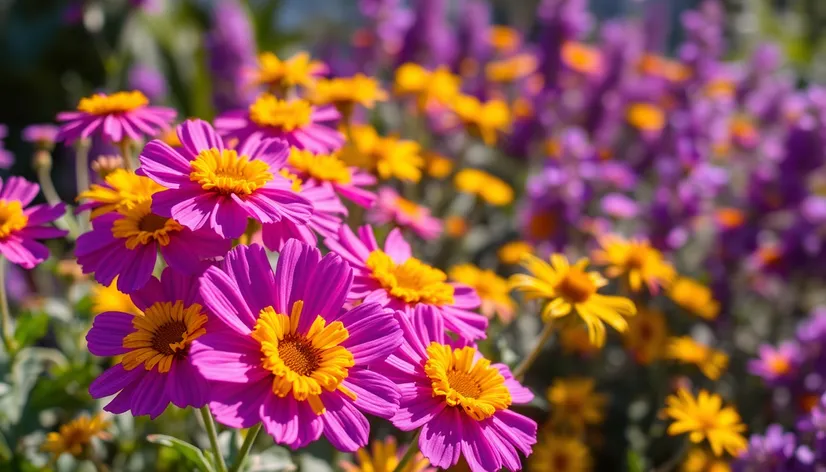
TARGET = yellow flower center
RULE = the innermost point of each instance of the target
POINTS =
(163, 333)
(778, 364)
(228, 173)
(120, 102)
(471, 384)
(411, 209)
(576, 286)
(123, 189)
(139, 226)
(412, 281)
(325, 167)
(580, 57)
(286, 115)
(646, 117)
(303, 363)
(12, 218)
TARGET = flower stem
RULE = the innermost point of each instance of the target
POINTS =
(245, 448)
(5, 313)
(412, 449)
(82, 165)
(45, 178)
(209, 425)
(526, 364)
(126, 154)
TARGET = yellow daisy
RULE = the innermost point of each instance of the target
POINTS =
(437, 87)
(74, 436)
(646, 117)
(281, 75)
(504, 39)
(560, 454)
(704, 417)
(573, 338)
(485, 120)
(646, 336)
(111, 299)
(511, 69)
(384, 456)
(437, 165)
(694, 297)
(636, 261)
(386, 157)
(347, 92)
(513, 252)
(575, 403)
(569, 288)
(121, 191)
(489, 188)
(492, 289)
(699, 460)
(711, 362)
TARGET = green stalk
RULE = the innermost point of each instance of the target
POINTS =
(5, 313)
(246, 447)
(526, 364)
(209, 425)
(412, 449)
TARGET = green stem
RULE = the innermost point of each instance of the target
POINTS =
(82, 165)
(245, 448)
(5, 313)
(209, 425)
(526, 364)
(126, 154)
(411, 452)
(45, 178)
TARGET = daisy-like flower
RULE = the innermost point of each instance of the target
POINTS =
(568, 289)
(384, 456)
(581, 58)
(346, 92)
(109, 298)
(560, 454)
(392, 208)
(386, 157)
(698, 459)
(489, 188)
(125, 244)
(294, 120)
(646, 117)
(394, 278)
(43, 136)
(22, 225)
(75, 436)
(573, 338)
(285, 352)
(458, 398)
(704, 417)
(511, 69)
(115, 117)
(774, 365)
(485, 120)
(279, 76)
(121, 190)
(513, 252)
(694, 297)
(492, 290)
(711, 362)
(328, 212)
(504, 39)
(663, 67)
(329, 170)
(646, 336)
(430, 88)
(220, 188)
(156, 366)
(575, 403)
(636, 261)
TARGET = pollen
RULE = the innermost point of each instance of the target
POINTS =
(577, 286)
(412, 281)
(162, 334)
(12, 218)
(228, 173)
(120, 102)
(285, 115)
(139, 226)
(322, 167)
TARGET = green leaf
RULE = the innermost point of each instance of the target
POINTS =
(31, 328)
(274, 459)
(635, 463)
(193, 454)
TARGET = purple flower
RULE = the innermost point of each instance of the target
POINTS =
(776, 365)
(230, 48)
(148, 80)
(281, 349)
(22, 225)
(41, 135)
(770, 453)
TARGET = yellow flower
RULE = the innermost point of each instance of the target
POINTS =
(636, 261)
(383, 456)
(560, 454)
(573, 337)
(123, 191)
(504, 39)
(712, 363)
(646, 117)
(111, 299)
(581, 57)
(513, 252)
(347, 92)
(118, 102)
(699, 460)
(387, 157)
(279, 76)
(438, 87)
(492, 289)
(74, 436)
(646, 336)
(663, 67)
(705, 417)
(511, 69)
(694, 297)
(575, 403)
(456, 226)
(492, 190)
(438, 166)
(485, 120)
(568, 289)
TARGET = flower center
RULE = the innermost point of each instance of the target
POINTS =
(466, 382)
(303, 363)
(122, 190)
(646, 117)
(12, 218)
(576, 286)
(326, 168)
(411, 209)
(163, 333)
(778, 364)
(120, 102)
(286, 115)
(580, 57)
(412, 281)
(139, 226)
(228, 173)
(542, 225)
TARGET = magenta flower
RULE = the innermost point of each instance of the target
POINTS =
(125, 244)
(458, 399)
(393, 278)
(298, 122)
(328, 170)
(325, 222)
(21, 227)
(776, 365)
(6, 157)
(42, 135)
(156, 368)
(211, 185)
(281, 349)
(115, 117)
(391, 208)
